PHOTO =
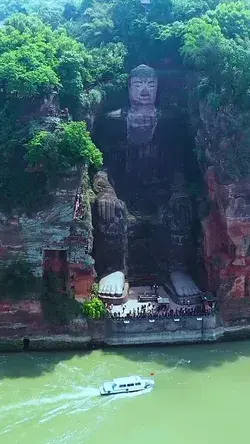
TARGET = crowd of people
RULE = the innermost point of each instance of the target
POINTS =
(152, 311)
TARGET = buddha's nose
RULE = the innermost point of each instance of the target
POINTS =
(144, 92)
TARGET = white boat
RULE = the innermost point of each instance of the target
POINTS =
(126, 385)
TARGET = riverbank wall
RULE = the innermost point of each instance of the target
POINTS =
(163, 330)
(22, 327)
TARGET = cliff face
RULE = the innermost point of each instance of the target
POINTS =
(59, 236)
(221, 143)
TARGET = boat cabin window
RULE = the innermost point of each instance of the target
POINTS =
(137, 383)
(122, 385)
(130, 385)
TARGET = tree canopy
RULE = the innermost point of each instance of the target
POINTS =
(68, 146)
(94, 308)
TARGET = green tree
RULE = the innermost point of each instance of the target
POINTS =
(16, 278)
(34, 60)
(9, 7)
(224, 61)
(233, 19)
(97, 26)
(183, 10)
(69, 145)
(94, 308)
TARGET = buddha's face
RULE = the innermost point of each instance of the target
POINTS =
(142, 91)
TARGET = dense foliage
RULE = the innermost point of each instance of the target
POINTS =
(83, 51)
(47, 9)
(16, 278)
(68, 146)
(34, 62)
(94, 308)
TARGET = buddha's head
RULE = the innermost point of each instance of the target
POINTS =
(142, 86)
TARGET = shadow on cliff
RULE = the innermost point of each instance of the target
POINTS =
(33, 364)
(197, 357)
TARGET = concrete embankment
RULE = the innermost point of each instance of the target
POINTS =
(82, 334)
(163, 330)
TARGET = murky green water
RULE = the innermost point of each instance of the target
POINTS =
(202, 395)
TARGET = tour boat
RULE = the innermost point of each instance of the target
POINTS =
(126, 385)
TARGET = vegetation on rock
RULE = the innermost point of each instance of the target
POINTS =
(17, 279)
(94, 308)
(69, 145)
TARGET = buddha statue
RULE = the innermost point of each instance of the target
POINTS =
(142, 224)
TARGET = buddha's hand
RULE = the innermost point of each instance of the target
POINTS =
(110, 208)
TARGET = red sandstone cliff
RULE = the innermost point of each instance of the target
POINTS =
(221, 142)
(60, 232)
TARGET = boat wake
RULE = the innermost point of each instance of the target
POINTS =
(81, 400)
(87, 392)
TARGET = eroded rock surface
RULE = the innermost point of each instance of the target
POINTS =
(223, 140)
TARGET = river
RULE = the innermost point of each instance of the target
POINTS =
(202, 395)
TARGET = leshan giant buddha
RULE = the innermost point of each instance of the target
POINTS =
(142, 214)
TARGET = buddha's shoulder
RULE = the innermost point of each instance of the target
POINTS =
(118, 114)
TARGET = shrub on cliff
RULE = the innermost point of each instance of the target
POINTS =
(94, 308)
(69, 145)
(17, 279)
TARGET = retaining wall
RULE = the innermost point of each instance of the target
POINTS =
(163, 330)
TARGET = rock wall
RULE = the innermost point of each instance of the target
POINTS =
(22, 327)
(166, 331)
(222, 142)
(65, 225)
